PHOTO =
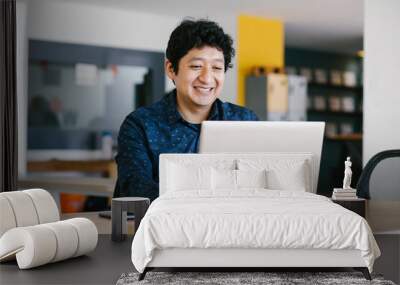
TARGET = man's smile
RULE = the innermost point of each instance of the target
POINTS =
(204, 88)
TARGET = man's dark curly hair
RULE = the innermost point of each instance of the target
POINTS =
(196, 34)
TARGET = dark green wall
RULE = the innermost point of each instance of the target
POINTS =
(326, 60)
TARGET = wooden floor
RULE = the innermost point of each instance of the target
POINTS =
(384, 216)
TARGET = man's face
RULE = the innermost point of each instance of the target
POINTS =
(200, 76)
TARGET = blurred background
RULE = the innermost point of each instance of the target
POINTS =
(83, 65)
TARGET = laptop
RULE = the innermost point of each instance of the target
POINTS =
(262, 136)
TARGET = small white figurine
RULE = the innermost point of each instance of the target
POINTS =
(347, 174)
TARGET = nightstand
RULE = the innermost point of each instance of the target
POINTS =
(119, 213)
(357, 205)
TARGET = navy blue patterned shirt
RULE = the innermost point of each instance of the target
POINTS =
(149, 131)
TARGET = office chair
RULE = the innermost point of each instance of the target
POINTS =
(364, 181)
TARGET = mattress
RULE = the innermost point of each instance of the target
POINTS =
(251, 219)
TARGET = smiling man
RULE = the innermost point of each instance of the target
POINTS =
(198, 55)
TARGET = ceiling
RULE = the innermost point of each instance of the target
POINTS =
(327, 25)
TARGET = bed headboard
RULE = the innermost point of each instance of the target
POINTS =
(229, 158)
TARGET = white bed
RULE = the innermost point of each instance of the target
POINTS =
(203, 220)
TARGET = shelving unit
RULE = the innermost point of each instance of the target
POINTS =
(334, 113)
(344, 142)
(338, 87)
(349, 137)
(341, 121)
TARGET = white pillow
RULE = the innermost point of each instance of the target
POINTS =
(282, 174)
(251, 178)
(227, 179)
(188, 177)
(223, 179)
(293, 178)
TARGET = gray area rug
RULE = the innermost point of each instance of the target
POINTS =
(228, 278)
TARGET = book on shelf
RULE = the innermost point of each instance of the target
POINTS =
(307, 73)
(348, 104)
(336, 77)
(346, 128)
(319, 103)
(331, 129)
(320, 76)
(341, 190)
(344, 194)
(335, 104)
(349, 79)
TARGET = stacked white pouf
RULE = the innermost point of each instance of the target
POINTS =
(31, 230)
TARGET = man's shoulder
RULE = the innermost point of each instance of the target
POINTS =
(155, 111)
(236, 112)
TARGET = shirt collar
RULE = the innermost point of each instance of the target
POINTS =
(172, 110)
(214, 110)
(174, 115)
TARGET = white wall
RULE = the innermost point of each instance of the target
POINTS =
(90, 24)
(381, 109)
(381, 76)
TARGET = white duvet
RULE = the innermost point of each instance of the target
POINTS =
(250, 219)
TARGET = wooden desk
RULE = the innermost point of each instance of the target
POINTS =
(107, 167)
(81, 186)
(96, 186)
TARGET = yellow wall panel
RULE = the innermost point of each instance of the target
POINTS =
(260, 42)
